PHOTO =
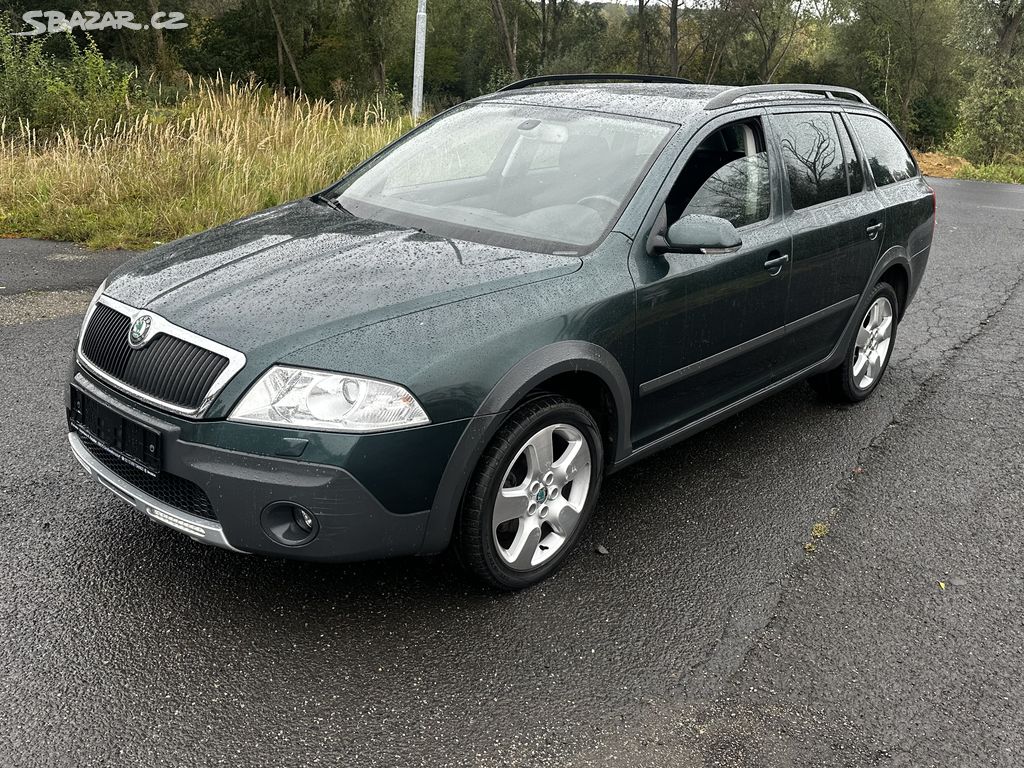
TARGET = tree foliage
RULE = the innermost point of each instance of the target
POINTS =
(45, 91)
(945, 70)
(991, 117)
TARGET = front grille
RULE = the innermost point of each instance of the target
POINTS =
(168, 368)
(174, 491)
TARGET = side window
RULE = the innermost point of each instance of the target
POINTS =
(726, 176)
(738, 191)
(887, 156)
(854, 172)
(813, 157)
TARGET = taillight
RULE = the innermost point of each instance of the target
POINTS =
(935, 209)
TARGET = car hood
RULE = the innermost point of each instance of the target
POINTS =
(294, 275)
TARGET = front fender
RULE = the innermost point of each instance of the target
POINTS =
(540, 365)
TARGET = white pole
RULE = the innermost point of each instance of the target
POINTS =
(417, 68)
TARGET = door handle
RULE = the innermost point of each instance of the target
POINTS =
(774, 266)
(873, 230)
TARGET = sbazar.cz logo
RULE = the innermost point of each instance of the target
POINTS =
(42, 22)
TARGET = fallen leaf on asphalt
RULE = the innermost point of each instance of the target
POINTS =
(942, 585)
(600, 549)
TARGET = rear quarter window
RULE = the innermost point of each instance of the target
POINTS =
(885, 153)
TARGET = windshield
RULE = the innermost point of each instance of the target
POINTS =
(511, 175)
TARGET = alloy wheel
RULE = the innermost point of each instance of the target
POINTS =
(542, 494)
(874, 339)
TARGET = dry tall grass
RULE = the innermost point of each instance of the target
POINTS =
(225, 151)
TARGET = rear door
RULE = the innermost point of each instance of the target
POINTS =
(836, 222)
(905, 196)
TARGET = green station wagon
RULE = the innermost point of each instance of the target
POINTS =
(455, 344)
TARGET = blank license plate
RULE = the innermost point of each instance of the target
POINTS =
(129, 441)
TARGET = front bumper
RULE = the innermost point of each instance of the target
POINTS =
(245, 469)
(198, 528)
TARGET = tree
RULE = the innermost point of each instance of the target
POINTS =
(673, 38)
(375, 23)
(1009, 15)
(898, 53)
(774, 24)
(989, 31)
(643, 26)
(550, 14)
(282, 48)
(508, 41)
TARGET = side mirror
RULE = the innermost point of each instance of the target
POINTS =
(697, 233)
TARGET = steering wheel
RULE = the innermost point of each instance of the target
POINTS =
(602, 201)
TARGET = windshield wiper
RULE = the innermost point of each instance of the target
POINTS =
(331, 202)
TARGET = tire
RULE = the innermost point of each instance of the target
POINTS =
(538, 524)
(867, 357)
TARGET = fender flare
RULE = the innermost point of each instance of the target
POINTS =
(540, 365)
(896, 255)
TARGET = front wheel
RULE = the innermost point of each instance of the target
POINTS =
(867, 357)
(531, 495)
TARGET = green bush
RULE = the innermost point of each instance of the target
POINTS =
(934, 119)
(991, 116)
(77, 91)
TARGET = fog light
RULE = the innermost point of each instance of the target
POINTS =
(303, 519)
(289, 524)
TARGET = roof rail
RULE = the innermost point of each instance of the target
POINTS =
(593, 78)
(726, 98)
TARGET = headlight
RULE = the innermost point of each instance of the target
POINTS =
(294, 397)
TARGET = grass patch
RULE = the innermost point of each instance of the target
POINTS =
(1007, 173)
(225, 151)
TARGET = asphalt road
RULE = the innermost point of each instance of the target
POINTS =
(717, 631)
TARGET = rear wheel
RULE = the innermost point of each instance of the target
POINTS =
(532, 494)
(867, 357)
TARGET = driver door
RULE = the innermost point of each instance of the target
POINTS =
(710, 326)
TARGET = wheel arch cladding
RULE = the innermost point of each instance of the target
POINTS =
(898, 276)
(893, 262)
(589, 390)
(563, 364)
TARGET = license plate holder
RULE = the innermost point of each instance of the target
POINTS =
(135, 444)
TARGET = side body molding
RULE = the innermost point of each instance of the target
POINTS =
(894, 256)
(540, 365)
